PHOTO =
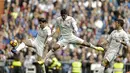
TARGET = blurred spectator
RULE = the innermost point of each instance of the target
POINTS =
(29, 59)
(76, 65)
(118, 66)
(84, 61)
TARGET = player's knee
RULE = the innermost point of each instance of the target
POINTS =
(28, 43)
(105, 63)
(25, 41)
(56, 46)
(39, 58)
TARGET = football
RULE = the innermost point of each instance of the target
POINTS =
(13, 43)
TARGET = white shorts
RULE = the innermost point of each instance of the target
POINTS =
(71, 39)
(38, 46)
(110, 55)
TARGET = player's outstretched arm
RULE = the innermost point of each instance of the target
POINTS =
(53, 33)
(53, 30)
(122, 42)
(125, 43)
(74, 25)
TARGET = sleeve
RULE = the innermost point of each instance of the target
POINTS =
(74, 25)
(49, 34)
(110, 37)
(55, 25)
(49, 31)
(126, 38)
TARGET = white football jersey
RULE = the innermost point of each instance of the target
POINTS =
(42, 36)
(128, 36)
(120, 35)
(67, 26)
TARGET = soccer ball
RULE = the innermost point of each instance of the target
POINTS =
(13, 43)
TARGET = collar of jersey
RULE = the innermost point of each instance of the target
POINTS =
(120, 30)
(66, 18)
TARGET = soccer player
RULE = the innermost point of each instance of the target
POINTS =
(39, 42)
(68, 29)
(117, 38)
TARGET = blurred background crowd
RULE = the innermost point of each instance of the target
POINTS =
(95, 21)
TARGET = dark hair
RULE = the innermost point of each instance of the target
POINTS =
(121, 22)
(42, 20)
(63, 11)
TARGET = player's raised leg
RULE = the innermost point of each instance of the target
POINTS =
(108, 58)
(23, 45)
(71, 40)
(55, 47)
(76, 40)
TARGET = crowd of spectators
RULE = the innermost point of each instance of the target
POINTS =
(95, 21)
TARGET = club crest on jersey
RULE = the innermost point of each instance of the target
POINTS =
(68, 23)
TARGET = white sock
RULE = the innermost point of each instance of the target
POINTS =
(21, 46)
(109, 70)
(43, 67)
(102, 69)
(48, 55)
(92, 46)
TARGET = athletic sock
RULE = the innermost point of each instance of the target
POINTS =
(102, 68)
(21, 46)
(48, 55)
(92, 46)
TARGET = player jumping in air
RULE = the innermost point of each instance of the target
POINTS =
(116, 39)
(39, 42)
(67, 26)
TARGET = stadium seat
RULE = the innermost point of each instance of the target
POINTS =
(31, 69)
